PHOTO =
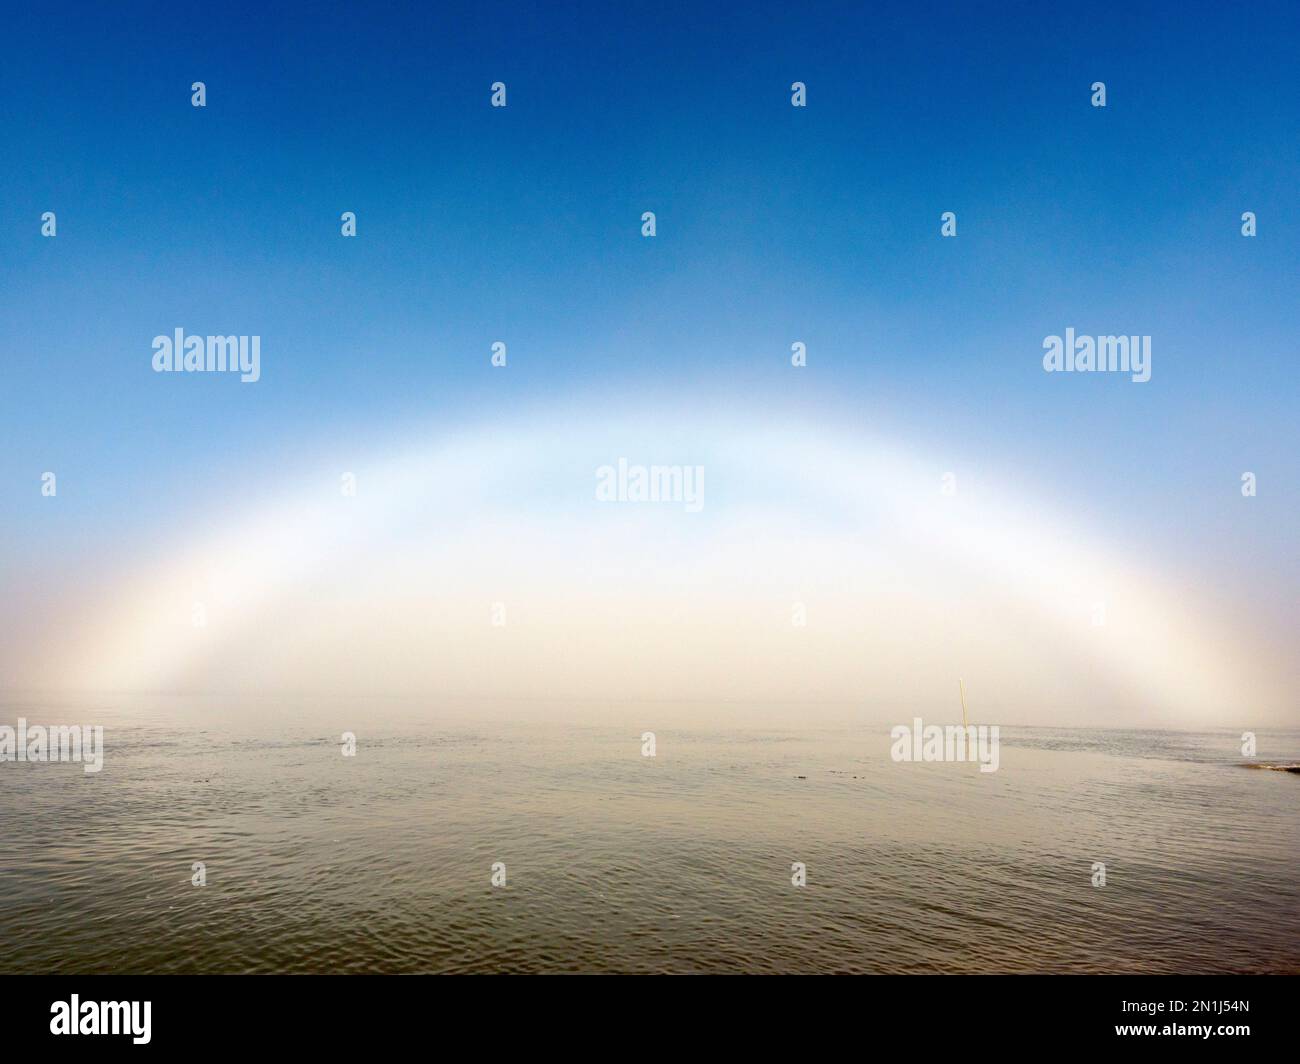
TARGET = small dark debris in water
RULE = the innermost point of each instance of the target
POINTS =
(801, 777)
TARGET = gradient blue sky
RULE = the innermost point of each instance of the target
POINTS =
(775, 224)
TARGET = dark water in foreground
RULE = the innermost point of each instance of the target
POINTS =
(616, 862)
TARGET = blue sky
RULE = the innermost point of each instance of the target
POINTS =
(775, 224)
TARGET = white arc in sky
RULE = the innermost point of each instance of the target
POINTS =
(820, 567)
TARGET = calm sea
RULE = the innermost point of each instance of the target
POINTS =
(616, 862)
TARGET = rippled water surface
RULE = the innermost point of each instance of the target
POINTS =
(618, 862)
